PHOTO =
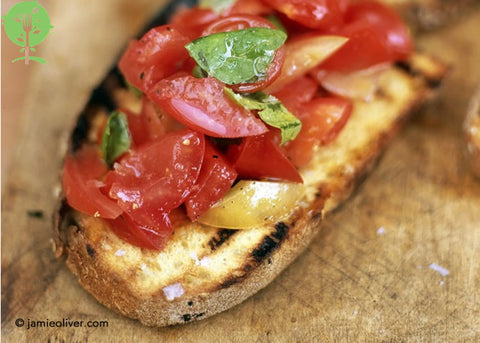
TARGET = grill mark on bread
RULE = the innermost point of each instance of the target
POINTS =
(222, 236)
(271, 242)
(433, 81)
(262, 252)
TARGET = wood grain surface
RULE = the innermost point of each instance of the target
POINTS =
(399, 262)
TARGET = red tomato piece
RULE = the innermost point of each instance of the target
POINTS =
(202, 105)
(388, 24)
(156, 177)
(364, 48)
(297, 92)
(150, 237)
(377, 35)
(81, 187)
(192, 21)
(244, 21)
(156, 55)
(216, 178)
(254, 7)
(316, 14)
(322, 120)
(259, 157)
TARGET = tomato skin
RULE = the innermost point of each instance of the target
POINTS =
(388, 24)
(322, 120)
(244, 21)
(215, 180)
(156, 55)
(192, 21)
(140, 235)
(316, 14)
(202, 105)
(156, 177)
(81, 187)
(260, 157)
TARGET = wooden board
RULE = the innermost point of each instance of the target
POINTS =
(372, 273)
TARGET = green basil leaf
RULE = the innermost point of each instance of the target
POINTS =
(116, 137)
(137, 92)
(218, 6)
(241, 56)
(271, 111)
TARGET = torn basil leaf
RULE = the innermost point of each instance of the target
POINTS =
(218, 6)
(116, 137)
(235, 57)
(271, 111)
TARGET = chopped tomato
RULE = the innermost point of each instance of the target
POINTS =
(202, 105)
(192, 21)
(377, 34)
(156, 55)
(322, 120)
(82, 189)
(244, 21)
(297, 92)
(254, 7)
(150, 237)
(260, 157)
(363, 49)
(156, 177)
(316, 14)
(388, 23)
(215, 179)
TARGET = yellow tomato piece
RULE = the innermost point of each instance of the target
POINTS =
(250, 204)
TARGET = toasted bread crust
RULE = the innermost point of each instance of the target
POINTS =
(472, 133)
(242, 262)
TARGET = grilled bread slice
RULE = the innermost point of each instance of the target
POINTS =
(472, 133)
(205, 270)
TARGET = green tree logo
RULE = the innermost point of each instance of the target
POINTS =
(27, 24)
